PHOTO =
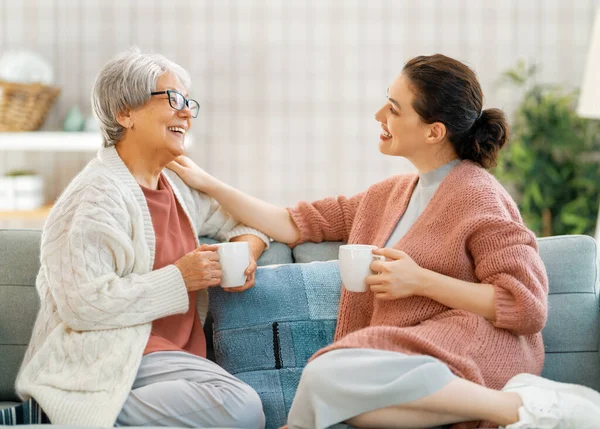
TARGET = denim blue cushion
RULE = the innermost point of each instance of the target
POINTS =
(266, 335)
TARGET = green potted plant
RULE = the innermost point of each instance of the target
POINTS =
(551, 162)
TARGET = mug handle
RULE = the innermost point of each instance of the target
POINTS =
(378, 258)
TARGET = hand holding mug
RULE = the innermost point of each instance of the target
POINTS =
(200, 268)
(398, 277)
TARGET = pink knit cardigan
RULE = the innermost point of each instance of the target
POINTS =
(471, 230)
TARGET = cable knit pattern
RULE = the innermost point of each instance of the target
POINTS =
(99, 294)
(471, 230)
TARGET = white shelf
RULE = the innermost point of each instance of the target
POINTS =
(51, 141)
(55, 141)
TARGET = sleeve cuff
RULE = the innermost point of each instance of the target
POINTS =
(243, 230)
(302, 227)
(508, 315)
(173, 300)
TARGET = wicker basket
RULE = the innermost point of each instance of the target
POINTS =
(24, 106)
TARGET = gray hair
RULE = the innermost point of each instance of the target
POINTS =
(126, 82)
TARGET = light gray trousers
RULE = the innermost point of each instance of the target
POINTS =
(345, 383)
(181, 389)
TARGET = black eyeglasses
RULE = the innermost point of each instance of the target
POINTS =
(178, 101)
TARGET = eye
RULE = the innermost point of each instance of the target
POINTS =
(394, 112)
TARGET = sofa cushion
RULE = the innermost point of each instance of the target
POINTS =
(266, 335)
(309, 252)
(572, 334)
(19, 303)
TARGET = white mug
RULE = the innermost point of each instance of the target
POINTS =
(355, 263)
(234, 259)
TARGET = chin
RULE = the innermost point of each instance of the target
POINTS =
(177, 148)
(388, 149)
(384, 148)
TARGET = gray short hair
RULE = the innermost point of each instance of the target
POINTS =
(126, 82)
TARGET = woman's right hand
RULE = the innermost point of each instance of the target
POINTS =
(274, 221)
(193, 176)
(200, 268)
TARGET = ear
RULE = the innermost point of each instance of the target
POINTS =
(436, 133)
(125, 119)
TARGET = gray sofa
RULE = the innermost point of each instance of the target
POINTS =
(572, 334)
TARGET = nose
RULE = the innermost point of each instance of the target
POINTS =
(379, 115)
(186, 115)
(186, 112)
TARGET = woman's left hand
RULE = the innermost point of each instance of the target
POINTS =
(250, 278)
(398, 277)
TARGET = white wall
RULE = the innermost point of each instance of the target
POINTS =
(288, 89)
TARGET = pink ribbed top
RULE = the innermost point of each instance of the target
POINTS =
(471, 230)
(174, 238)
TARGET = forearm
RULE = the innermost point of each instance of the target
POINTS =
(109, 301)
(256, 245)
(274, 221)
(477, 298)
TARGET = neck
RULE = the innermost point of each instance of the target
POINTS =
(432, 161)
(145, 165)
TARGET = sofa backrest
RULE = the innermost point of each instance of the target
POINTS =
(19, 302)
(571, 336)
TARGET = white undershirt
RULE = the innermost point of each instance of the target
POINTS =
(424, 190)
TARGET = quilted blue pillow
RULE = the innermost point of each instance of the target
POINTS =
(266, 335)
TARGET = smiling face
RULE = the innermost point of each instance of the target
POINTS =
(403, 131)
(159, 127)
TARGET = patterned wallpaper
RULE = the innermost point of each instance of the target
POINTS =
(288, 89)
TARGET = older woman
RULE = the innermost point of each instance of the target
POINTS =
(119, 339)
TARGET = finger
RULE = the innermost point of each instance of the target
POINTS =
(210, 255)
(214, 266)
(251, 268)
(208, 248)
(378, 288)
(380, 266)
(174, 165)
(375, 279)
(384, 296)
(239, 288)
(393, 254)
(183, 160)
(216, 274)
(249, 284)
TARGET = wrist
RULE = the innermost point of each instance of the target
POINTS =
(213, 187)
(427, 282)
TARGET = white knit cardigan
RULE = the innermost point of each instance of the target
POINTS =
(99, 294)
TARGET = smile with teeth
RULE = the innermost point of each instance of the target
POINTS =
(386, 134)
(177, 130)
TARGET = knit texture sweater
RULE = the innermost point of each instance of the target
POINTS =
(471, 230)
(99, 294)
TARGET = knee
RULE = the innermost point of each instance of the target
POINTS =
(313, 374)
(248, 413)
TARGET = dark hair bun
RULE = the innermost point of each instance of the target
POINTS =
(489, 134)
